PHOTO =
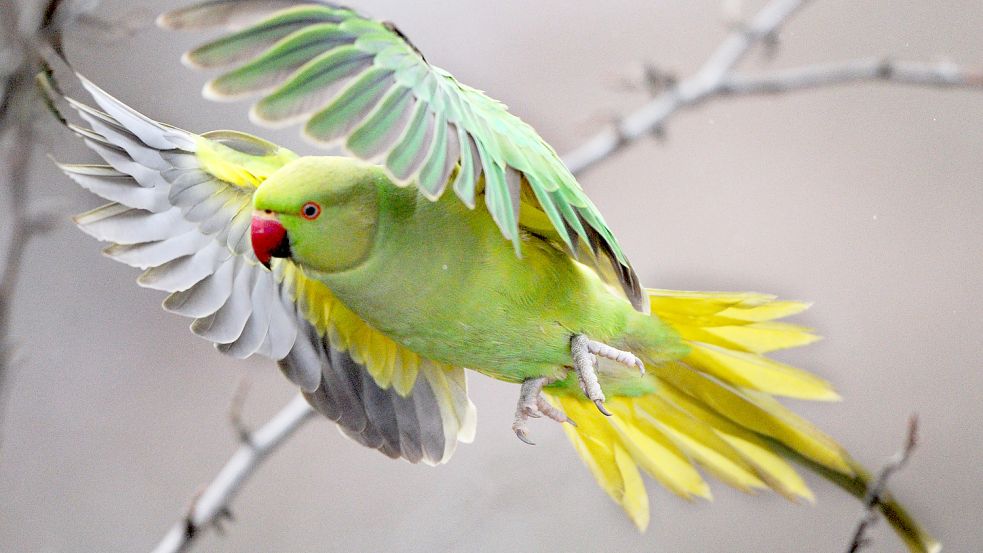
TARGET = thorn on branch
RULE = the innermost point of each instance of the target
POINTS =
(621, 138)
(876, 492)
(770, 44)
(659, 133)
(224, 515)
(657, 80)
(649, 78)
(190, 530)
(885, 70)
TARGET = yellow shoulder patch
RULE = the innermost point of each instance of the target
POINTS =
(239, 158)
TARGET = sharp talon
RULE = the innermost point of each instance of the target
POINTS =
(532, 404)
(521, 434)
(602, 408)
(571, 422)
(641, 367)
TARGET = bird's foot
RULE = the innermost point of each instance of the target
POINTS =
(532, 404)
(585, 352)
(626, 358)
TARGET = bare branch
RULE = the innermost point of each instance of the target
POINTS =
(938, 75)
(717, 79)
(876, 492)
(212, 505)
(694, 90)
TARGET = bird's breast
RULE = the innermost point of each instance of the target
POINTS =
(443, 282)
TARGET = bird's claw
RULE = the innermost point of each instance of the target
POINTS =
(585, 353)
(600, 407)
(521, 433)
(585, 364)
(532, 404)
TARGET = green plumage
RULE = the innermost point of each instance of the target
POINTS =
(439, 279)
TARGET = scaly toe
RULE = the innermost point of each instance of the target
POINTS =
(626, 358)
(528, 406)
(552, 412)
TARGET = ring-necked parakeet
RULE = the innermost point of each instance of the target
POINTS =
(471, 245)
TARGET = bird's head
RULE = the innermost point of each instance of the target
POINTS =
(322, 212)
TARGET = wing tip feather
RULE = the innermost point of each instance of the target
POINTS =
(188, 60)
(167, 22)
(211, 92)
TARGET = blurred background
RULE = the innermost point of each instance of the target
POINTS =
(865, 199)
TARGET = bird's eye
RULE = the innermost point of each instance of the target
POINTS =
(310, 211)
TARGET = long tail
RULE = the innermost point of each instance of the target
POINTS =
(715, 409)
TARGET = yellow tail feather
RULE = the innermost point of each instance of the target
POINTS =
(714, 409)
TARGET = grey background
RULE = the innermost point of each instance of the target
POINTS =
(865, 199)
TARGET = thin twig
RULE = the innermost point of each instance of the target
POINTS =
(876, 492)
(213, 504)
(936, 75)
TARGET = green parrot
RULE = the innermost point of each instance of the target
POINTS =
(454, 238)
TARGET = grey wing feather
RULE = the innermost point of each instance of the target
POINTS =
(380, 411)
(189, 231)
(414, 427)
(206, 297)
(125, 225)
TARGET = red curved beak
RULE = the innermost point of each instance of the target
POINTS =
(269, 238)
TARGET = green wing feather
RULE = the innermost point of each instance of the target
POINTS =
(361, 83)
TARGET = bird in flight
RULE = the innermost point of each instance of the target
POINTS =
(453, 237)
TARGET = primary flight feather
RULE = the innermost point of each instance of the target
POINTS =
(374, 289)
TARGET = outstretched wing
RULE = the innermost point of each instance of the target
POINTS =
(361, 83)
(181, 211)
